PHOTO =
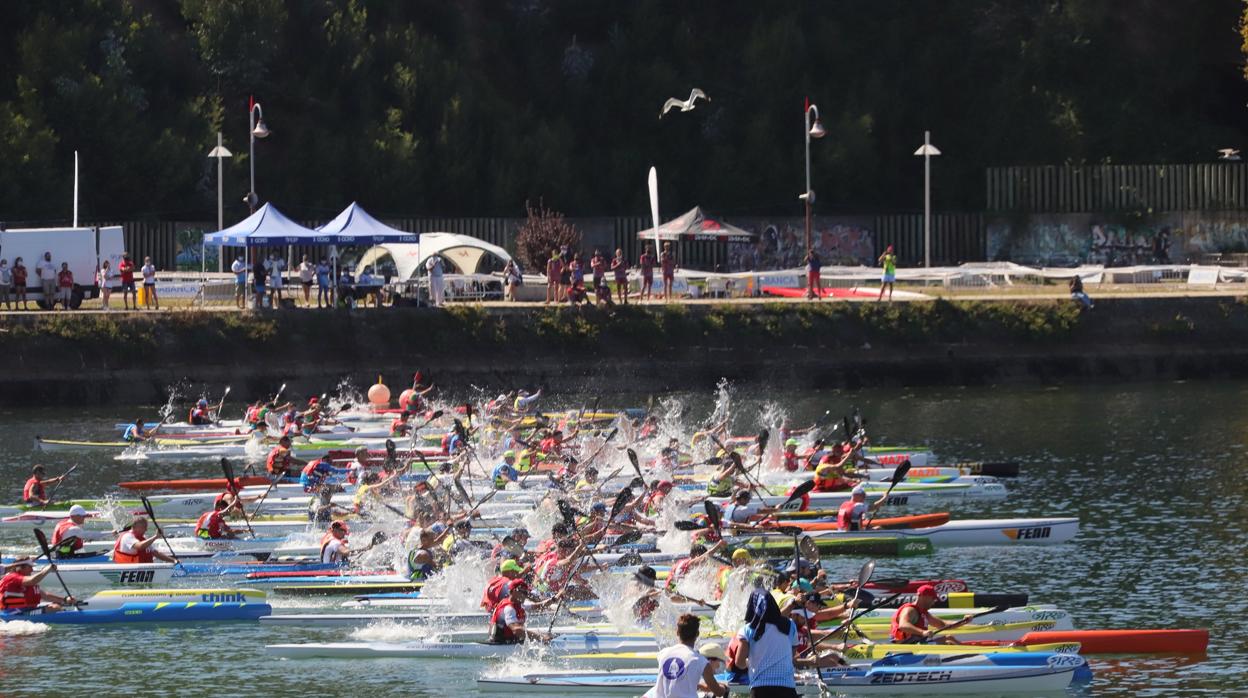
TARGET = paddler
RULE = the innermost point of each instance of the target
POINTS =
(280, 461)
(321, 508)
(505, 472)
(699, 555)
(831, 476)
(135, 433)
(425, 559)
(524, 402)
(588, 481)
(69, 536)
(334, 544)
(312, 416)
(401, 426)
(132, 548)
(685, 672)
(200, 415)
(19, 588)
(507, 619)
(853, 515)
(744, 510)
(654, 500)
(645, 605)
(914, 623)
(499, 587)
(791, 462)
(723, 482)
(315, 473)
(211, 525)
(35, 490)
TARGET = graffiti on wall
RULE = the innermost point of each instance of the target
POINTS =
(1064, 240)
(782, 245)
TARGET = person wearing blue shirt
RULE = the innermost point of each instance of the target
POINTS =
(315, 474)
(135, 433)
(505, 472)
(767, 643)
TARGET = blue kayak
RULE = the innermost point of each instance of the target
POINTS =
(1083, 672)
(165, 612)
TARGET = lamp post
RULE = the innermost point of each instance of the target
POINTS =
(812, 131)
(927, 151)
(220, 153)
(257, 129)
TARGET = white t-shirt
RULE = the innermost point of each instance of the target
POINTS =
(355, 471)
(509, 617)
(128, 541)
(737, 513)
(680, 670)
(149, 274)
(334, 552)
(434, 267)
(275, 269)
(45, 270)
(307, 272)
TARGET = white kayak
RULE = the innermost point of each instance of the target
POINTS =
(422, 649)
(977, 532)
(116, 598)
(111, 574)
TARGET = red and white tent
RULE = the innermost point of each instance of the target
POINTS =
(697, 226)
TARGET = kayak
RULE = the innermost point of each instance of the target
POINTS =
(197, 485)
(345, 588)
(950, 678)
(116, 598)
(1128, 641)
(912, 521)
(623, 660)
(882, 543)
(162, 612)
(423, 649)
(112, 574)
(905, 493)
(974, 532)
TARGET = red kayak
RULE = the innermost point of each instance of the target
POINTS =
(910, 586)
(912, 521)
(1126, 641)
(194, 485)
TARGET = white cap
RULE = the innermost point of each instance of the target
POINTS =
(77, 510)
(859, 489)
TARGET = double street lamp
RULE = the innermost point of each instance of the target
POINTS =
(814, 130)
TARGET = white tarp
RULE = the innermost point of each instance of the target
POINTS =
(463, 251)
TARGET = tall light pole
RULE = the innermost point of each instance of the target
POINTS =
(927, 151)
(220, 153)
(812, 131)
(257, 129)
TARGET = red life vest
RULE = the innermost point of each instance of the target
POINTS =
(790, 461)
(210, 525)
(835, 483)
(325, 541)
(33, 491)
(58, 534)
(500, 633)
(399, 427)
(897, 634)
(198, 415)
(446, 443)
(805, 499)
(272, 465)
(14, 595)
(121, 558)
(496, 590)
(679, 570)
(253, 415)
(845, 516)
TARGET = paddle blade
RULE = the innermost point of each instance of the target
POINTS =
(764, 437)
(808, 549)
(612, 433)
(436, 414)
(390, 447)
(712, 514)
(228, 470)
(686, 525)
(788, 530)
(43, 543)
(798, 492)
(621, 500)
(378, 538)
(864, 574)
(632, 458)
(565, 511)
(900, 473)
(627, 537)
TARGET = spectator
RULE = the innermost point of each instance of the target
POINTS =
(104, 279)
(619, 266)
(46, 271)
(554, 270)
(598, 264)
(565, 276)
(65, 285)
(149, 283)
(323, 290)
(1077, 293)
(370, 287)
(277, 265)
(512, 279)
(576, 271)
(307, 272)
(888, 260)
(814, 286)
(683, 671)
(259, 280)
(6, 282)
(668, 264)
(239, 268)
(437, 284)
(647, 272)
(126, 269)
(19, 282)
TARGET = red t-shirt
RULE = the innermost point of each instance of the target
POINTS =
(668, 262)
(127, 271)
(65, 279)
(647, 264)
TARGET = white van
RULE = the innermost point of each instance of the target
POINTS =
(83, 248)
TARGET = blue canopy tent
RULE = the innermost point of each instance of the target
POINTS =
(267, 226)
(354, 226)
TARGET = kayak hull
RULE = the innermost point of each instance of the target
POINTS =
(172, 612)
(1163, 641)
(976, 532)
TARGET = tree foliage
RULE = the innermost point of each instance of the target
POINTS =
(469, 108)
(544, 232)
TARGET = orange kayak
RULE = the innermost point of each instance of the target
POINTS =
(191, 484)
(1127, 641)
(912, 521)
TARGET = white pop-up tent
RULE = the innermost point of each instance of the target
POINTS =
(464, 255)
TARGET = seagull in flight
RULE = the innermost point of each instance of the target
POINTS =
(1228, 154)
(686, 105)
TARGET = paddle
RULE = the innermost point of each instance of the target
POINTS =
(436, 414)
(278, 395)
(221, 405)
(43, 544)
(151, 516)
(849, 623)
(898, 475)
(686, 525)
(713, 518)
(864, 576)
(798, 492)
(238, 492)
(964, 621)
(57, 486)
(610, 435)
(632, 458)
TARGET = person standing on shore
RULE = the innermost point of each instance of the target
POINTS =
(647, 272)
(598, 264)
(126, 269)
(104, 277)
(619, 266)
(65, 285)
(307, 274)
(888, 260)
(668, 264)
(324, 292)
(277, 280)
(259, 276)
(682, 668)
(554, 270)
(814, 265)
(239, 268)
(19, 283)
(6, 282)
(149, 283)
(437, 282)
(46, 271)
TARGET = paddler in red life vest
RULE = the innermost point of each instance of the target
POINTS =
(507, 619)
(654, 500)
(334, 545)
(791, 460)
(211, 525)
(400, 426)
(312, 416)
(499, 587)
(199, 415)
(19, 588)
(69, 536)
(913, 622)
(132, 548)
(855, 514)
(699, 555)
(280, 461)
(35, 489)
(831, 476)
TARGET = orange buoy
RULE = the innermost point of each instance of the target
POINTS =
(379, 394)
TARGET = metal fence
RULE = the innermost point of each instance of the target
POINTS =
(956, 238)
(1220, 186)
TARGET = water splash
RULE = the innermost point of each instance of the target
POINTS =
(731, 612)
(617, 594)
(16, 628)
(461, 584)
(168, 410)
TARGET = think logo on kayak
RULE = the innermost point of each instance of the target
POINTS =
(217, 597)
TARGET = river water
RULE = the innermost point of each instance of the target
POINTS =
(1156, 473)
